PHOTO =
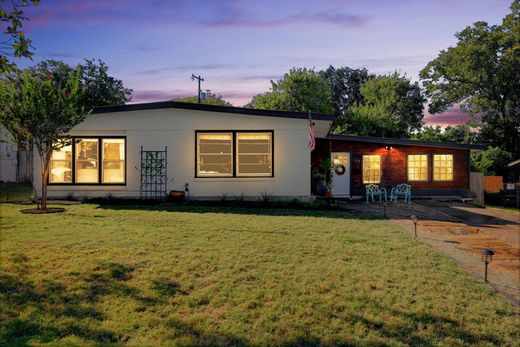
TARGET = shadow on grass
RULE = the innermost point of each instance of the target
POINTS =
(49, 310)
(257, 211)
(44, 312)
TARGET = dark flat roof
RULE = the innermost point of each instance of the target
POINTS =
(404, 142)
(211, 108)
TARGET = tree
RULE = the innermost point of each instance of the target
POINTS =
(39, 111)
(392, 107)
(99, 88)
(491, 162)
(482, 74)
(300, 90)
(459, 134)
(16, 44)
(207, 98)
(345, 84)
(428, 133)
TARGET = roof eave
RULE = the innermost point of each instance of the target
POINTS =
(211, 108)
(404, 142)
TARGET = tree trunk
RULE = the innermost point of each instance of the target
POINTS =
(45, 161)
(45, 177)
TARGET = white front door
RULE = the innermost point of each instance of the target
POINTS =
(340, 173)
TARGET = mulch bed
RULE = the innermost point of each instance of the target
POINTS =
(40, 211)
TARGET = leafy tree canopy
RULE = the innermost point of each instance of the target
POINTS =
(345, 84)
(299, 90)
(14, 43)
(457, 134)
(207, 97)
(482, 74)
(38, 109)
(392, 107)
(99, 88)
(491, 162)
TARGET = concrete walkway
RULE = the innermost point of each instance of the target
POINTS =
(461, 231)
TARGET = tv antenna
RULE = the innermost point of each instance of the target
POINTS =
(199, 79)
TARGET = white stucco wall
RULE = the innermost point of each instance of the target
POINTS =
(175, 128)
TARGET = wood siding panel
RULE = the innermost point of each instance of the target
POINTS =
(394, 165)
(493, 184)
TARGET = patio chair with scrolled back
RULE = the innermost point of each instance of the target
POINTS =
(401, 190)
(373, 190)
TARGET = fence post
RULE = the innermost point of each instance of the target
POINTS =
(476, 186)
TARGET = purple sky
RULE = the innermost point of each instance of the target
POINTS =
(239, 45)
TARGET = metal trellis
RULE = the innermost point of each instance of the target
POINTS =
(153, 174)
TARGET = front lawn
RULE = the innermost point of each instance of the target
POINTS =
(198, 276)
(15, 192)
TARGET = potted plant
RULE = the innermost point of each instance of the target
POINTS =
(178, 195)
(321, 178)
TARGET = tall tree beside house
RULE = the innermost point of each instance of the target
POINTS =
(207, 98)
(345, 84)
(482, 74)
(14, 43)
(38, 110)
(392, 106)
(299, 90)
(428, 133)
(462, 133)
(492, 161)
(99, 88)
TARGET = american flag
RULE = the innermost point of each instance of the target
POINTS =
(312, 140)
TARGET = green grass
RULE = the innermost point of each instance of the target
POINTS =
(205, 276)
(15, 192)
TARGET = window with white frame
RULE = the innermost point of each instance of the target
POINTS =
(442, 167)
(371, 169)
(417, 167)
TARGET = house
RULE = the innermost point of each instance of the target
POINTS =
(139, 150)
(431, 168)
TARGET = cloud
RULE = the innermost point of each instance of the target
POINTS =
(453, 116)
(329, 17)
(206, 14)
(234, 96)
(152, 95)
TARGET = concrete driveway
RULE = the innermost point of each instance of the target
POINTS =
(461, 231)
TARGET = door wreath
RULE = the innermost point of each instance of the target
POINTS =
(339, 169)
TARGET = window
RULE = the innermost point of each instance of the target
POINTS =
(90, 160)
(113, 161)
(61, 166)
(418, 167)
(254, 154)
(371, 169)
(234, 154)
(442, 167)
(87, 169)
(215, 154)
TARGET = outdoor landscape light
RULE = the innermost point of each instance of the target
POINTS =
(388, 147)
(487, 256)
(384, 208)
(414, 220)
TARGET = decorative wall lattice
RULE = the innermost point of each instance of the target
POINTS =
(153, 174)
